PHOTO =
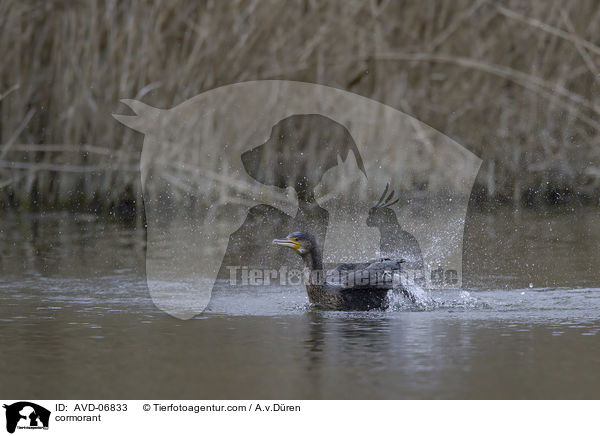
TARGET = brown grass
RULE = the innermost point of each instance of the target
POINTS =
(515, 82)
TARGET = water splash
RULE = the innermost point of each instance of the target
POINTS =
(416, 298)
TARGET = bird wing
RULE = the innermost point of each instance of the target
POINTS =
(373, 275)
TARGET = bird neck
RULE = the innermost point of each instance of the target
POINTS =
(313, 259)
(314, 286)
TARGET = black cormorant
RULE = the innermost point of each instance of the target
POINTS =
(349, 286)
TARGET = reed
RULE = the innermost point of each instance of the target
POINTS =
(515, 82)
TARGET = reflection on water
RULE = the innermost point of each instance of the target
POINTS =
(76, 321)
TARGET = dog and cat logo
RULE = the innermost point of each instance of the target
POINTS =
(262, 159)
(26, 415)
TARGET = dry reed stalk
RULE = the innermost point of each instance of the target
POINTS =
(453, 65)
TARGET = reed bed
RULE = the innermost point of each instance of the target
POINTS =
(514, 82)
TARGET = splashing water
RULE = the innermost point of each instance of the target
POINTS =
(416, 298)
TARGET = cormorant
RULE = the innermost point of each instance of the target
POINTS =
(349, 286)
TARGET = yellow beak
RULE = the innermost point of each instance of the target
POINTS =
(287, 242)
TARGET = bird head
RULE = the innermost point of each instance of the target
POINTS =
(301, 242)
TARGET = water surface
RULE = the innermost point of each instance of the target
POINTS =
(77, 321)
